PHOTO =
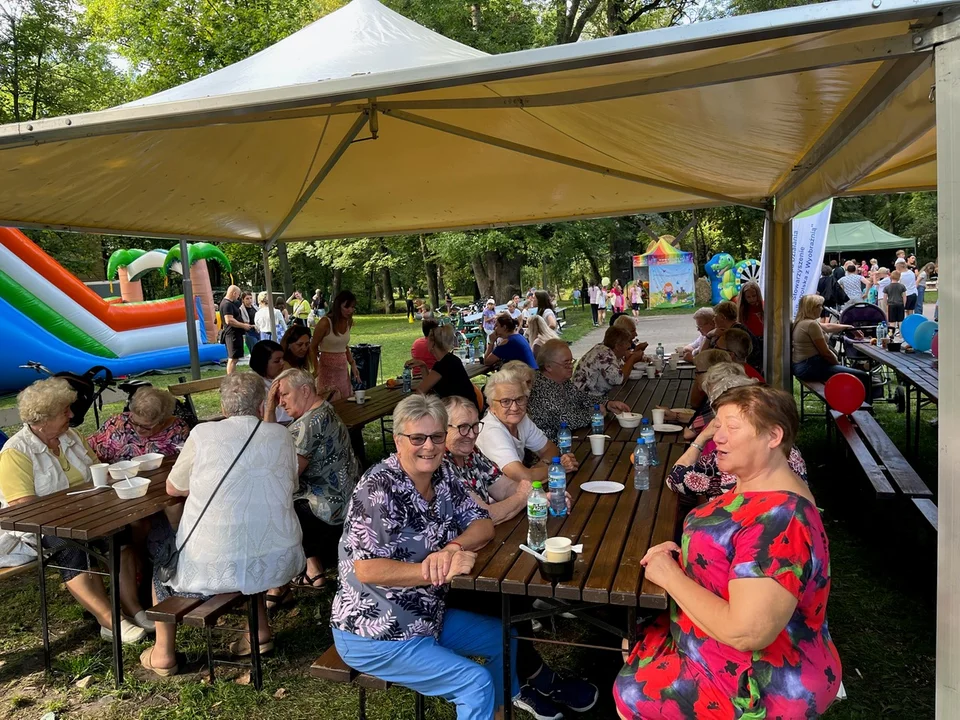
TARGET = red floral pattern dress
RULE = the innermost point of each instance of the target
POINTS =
(117, 439)
(677, 672)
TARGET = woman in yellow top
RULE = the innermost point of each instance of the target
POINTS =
(47, 456)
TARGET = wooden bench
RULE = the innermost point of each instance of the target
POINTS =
(887, 470)
(205, 614)
(186, 390)
(330, 666)
(817, 389)
(11, 572)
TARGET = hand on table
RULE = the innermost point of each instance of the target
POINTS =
(617, 407)
(569, 462)
(436, 566)
(660, 563)
(462, 564)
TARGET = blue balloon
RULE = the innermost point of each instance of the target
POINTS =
(923, 336)
(909, 326)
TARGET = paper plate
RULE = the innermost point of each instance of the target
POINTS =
(602, 487)
(667, 428)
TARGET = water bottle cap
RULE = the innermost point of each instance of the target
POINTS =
(563, 424)
(596, 407)
(644, 422)
(641, 441)
(556, 461)
(537, 485)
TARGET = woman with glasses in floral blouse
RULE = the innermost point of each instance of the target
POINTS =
(411, 528)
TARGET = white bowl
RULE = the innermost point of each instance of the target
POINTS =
(132, 488)
(629, 420)
(124, 469)
(150, 461)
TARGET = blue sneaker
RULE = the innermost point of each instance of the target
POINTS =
(576, 694)
(536, 704)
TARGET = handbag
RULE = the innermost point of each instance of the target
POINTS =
(168, 555)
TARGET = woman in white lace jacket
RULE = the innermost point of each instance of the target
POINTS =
(249, 538)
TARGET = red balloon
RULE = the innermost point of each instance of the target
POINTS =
(844, 393)
(935, 345)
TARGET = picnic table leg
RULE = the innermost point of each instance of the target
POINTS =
(115, 614)
(631, 626)
(256, 666)
(906, 410)
(507, 670)
(916, 423)
(44, 627)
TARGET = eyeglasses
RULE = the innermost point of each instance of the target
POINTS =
(142, 426)
(507, 403)
(466, 428)
(418, 439)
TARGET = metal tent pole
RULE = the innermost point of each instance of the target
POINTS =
(188, 301)
(268, 286)
(947, 64)
(778, 303)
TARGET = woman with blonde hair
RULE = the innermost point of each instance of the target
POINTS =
(447, 376)
(811, 356)
(538, 332)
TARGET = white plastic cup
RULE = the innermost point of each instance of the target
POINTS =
(658, 363)
(558, 549)
(598, 443)
(658, 415)
(651, 371)
(361, 396)
(99, 473)
(674, 361)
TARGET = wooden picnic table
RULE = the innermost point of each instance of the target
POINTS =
(616, 530)
(916, 371)
(82, 520)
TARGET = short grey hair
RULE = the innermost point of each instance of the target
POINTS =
(242, 394)
(297, 378)
(627, 324)
(900, 261)
(704, 313)
(550, 351)
(722, 377)
(45, 400)
(458, 402)
(514, 372)
(706, 359)
(444, 337)
(153, 405)
(415, 408)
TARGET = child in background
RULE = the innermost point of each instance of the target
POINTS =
(873, 291)
(894, 291)
(489, 319)
(883, 279)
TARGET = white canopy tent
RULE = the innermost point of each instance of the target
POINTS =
(365, 123)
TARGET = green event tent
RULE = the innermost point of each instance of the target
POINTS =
(864, 237)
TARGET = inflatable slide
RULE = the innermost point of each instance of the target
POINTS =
(54, 319)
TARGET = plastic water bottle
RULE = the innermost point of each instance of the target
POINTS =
(660, 353)
(564, 438)
(407, 380)
(558, 488)
(537, 518)
(641, 466)
(650, 438)
(596, 422)
(881, 330)
(470, 352)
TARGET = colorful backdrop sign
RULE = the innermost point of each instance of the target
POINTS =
(672, 285)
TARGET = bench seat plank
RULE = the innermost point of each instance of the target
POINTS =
(860, 451)
(207, 614)
(905, 477)
(172, 609)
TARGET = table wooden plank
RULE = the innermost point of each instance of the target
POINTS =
(664, 530)
(917, 368)
(626, 584)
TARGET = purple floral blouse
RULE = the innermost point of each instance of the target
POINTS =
(705, 478)
(599, 371)
(118, 440)
(478, 473)
(389, 519)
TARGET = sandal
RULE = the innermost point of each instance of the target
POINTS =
(146, 661)
(306, 581)
(284, 599)
(241, 647)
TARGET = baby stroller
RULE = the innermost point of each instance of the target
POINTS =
(865, 318)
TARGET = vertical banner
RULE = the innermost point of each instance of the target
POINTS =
(809, 242)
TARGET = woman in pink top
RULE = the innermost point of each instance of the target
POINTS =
(331, 347)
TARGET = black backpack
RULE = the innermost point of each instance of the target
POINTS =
(89, 387)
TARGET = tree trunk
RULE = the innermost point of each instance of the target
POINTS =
(475, 15)
(285, 274)
(484, 286)
(387, 293)
(441, 286)
(543, 274)
(200, 277)
(430, 267)
(504, 274)
(334, 285)
(129, 291)
(594, 268)
(476, 291)
(621, 259)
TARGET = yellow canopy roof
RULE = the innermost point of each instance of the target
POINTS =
(395, 129)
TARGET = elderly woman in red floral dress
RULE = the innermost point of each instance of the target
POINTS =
(149, 426)
(746, 635)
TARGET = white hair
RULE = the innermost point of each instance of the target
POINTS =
(704, 313)
(417, 407)
(242, 394)
(514, 372)
(297, 378)
(44, 400)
